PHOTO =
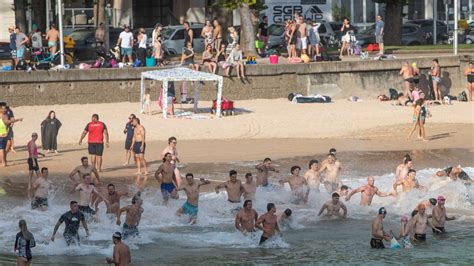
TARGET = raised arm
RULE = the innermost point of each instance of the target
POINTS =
(354, 191)
(220, 186)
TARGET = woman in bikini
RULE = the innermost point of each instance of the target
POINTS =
(419, 116)
(207, 33)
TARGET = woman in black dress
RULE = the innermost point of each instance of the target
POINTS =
(49, 132)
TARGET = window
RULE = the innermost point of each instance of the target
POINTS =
(408, 30)
(179, 35)
(197, 32)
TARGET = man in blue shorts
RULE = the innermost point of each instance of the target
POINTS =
(125, 41)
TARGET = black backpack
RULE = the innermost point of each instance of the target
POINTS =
(462, 97)
(393, 94)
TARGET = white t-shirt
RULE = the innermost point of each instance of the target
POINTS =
(126, 38)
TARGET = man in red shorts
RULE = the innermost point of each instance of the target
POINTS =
(96, 130)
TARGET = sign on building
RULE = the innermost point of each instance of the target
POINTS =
(280, 10)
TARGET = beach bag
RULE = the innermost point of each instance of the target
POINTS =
(259, 44)
(393, 94)
(150, 61)
(305, 58)
(137, 63)
(43, 66)
(97, 63)
(462, 97)
(273, 59)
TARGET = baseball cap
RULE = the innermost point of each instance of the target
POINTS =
(441, 198)
(382, 210)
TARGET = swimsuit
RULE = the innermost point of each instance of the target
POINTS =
(137, 146)
(128, 231)
(86, 210)
(406, 242)
(420, 237)
(440, 229)
(376, 243)
(39, 202)
(71, 238)
(30, 164)
(190, 209)
(52, 44)
(262, 239)
(24, 246)
(410, 80)
(436, 79)
(167, 188)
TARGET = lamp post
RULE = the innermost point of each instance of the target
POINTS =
(455, 45)
(61, 37)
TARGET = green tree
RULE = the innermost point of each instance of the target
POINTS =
(249, 11)
(393, 20)
(339, 13)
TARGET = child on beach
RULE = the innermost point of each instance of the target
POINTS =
(419, 116)
(404, 236)
(147, 101)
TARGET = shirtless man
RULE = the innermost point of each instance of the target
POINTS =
(138, 145)
(233, 187)
(190, 207)
(343, 191)
(378, 234)
(301, 40)
(407, 73)
(246, 218)
(132, 219)
(333, 207)
(263, 172)
(298, 185)
(268, 223)
(284, 219)
(122, 256)
(367, 192)
(217, 34)
(249, 187)
(86, 191)
(420, 222)
(402, 170)
(165, 176)
(407, 183)
(41, 188)
(435, 73)
(312, 175)
(331, 170)
(439, 216)
(454, 173)
(84, 169)
(171, 148)
(53, 37)
(113, 197)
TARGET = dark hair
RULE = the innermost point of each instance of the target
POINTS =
(170, 139)
(248, 175)
(232, 172)
(288, 212)
(311, 162)
(411, 171)
(332, 151)
(44, 169)
(433, 201)
(413, 213)
(72, 202)
(247, 202)
(17, 28)
(84, 158)
(164, 156)
(332, 154)
(344, 187)
(435, 60)
(406, 158)
(137, 119)
(49, 114)
(110, 185)
(293, 168)
(84, 176)
(264, 17)
(267, 160)
(189, 174)
(335, 195)
(186, 23)
(133, 116)
(270, 206)
(96, 116)
(134, 199)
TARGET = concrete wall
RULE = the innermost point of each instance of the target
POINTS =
(365, 79)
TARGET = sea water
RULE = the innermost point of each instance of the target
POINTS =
(166, 239)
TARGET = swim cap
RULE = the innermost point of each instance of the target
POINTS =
(441, 198)
(421, 206)
(404, 218)
(382, 210)
(117, 235)
(413, 65)
(433, 201)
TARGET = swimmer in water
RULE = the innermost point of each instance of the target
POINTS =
(24, 241)
(263, 172)
(378, 234)
(132, 219)
(429, 204)
(454, 173)
(407, 183)
(331, 169)
(439, 216)
(268, 223)
(312, 175)
(333, 207)
(249, 187)
(113, 197)
(83, 169)
(246, 218)
(343, 191)
(421, 222)
(71, 219)
(367, 192)
(171, 149)
(233, 187)
(41, 188)
(299, 186)
(285, 218)
(165, 176)
(122, 255)
(405, 231)
(402, 170)
(190, 207)
(86, 192)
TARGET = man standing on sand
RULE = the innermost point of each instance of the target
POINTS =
(402, 170)
(190, 207)
(53, 37)
(233, 187)
(171, 148)
(164, 175)
(331, 170)
(420, 222)
(312, 175)
(132, 219)
(96, 130)
(379, 31)
(246, 218)
(407, 73)
(86, 192)
(5, 124)
(263, 171)
(249, 187)
(367, 192)
(268, 223)
(41, 188)
(84, 169)
(138, 145)
(72, 219)
(439, 216)
(378, 234)
(128, 131)
(122, 256)
(435, 73)
(408, 183)
(298, 185)
(333, 207)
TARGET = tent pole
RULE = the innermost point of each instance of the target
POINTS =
(142, 91)
(197, 90)
(219, 97)
(164, 99)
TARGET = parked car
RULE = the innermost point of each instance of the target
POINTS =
(276, 34)
(427, 27)
(5, 50)
(411, 35)
(469, 37)
(174, 38)
(85, 44)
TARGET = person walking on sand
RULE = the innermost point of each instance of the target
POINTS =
(469, 73)
(5, 123)
(139, 145)
(435, 73)
(128, 131)
(419, 117)
(24, 241)
(97, 131)
(33, 166)
(122, 255)
(49, 133)
(190, 207)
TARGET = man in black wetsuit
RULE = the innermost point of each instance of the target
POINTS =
(72, 220)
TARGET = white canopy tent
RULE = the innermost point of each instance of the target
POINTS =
(180, 74)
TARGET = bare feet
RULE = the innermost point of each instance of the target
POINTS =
(138, 172)
(125, 163)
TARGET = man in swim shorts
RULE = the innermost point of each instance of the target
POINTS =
(165, 176)
(190, 207)
(435, 73)
(439, 216)
(72, 220)
(53, 37)
(407, 73)
(132, 219)
(246, 218)
(378, 234)
(41, 188)
(172, 149)
(233, 187)
(268, 223)
(138, 145)
(333, 207)
(421, 222)
(263, 170)
(331, 169)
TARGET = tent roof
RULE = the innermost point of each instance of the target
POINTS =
(180, 74)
